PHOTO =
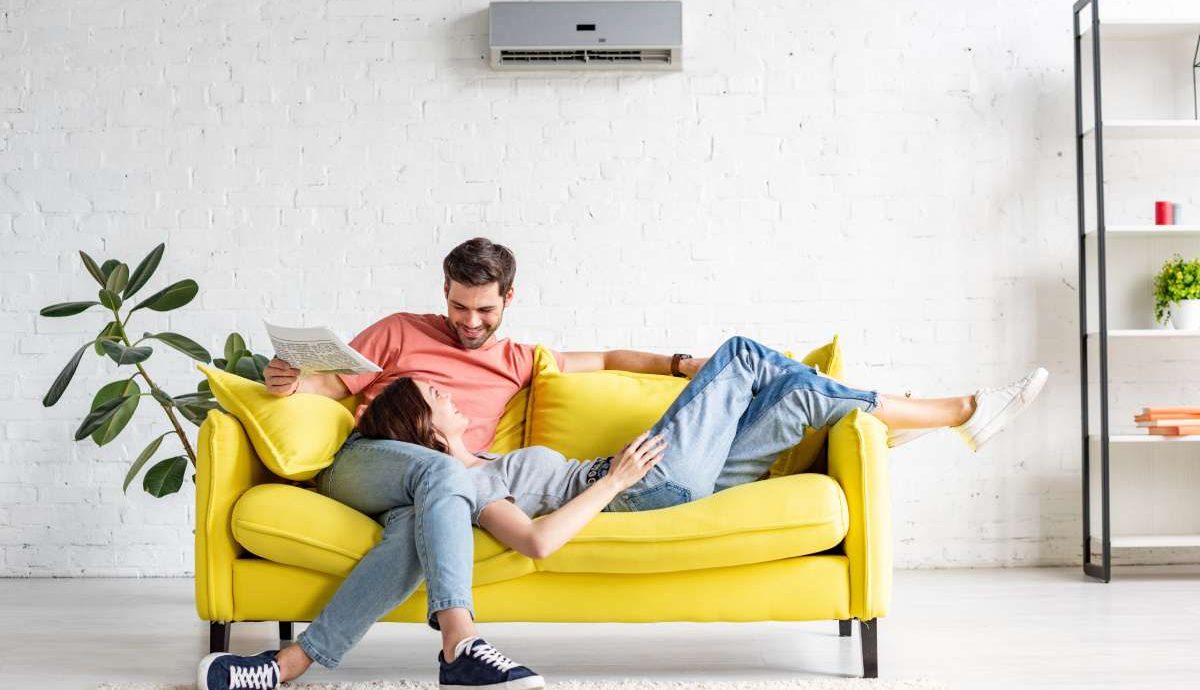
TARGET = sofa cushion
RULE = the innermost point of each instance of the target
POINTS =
(752, 523)
(294, 436)
(595, 413)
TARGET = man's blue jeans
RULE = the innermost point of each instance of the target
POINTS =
(727, 427)
(424, 500)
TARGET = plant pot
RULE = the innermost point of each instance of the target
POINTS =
(1185, 314)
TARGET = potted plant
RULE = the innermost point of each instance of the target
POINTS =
(1177, 293)
(115, 403)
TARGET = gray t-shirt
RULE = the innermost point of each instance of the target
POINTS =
(537, 479)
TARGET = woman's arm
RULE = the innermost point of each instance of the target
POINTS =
(541, 537)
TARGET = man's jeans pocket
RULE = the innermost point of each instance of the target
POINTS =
(662, 495)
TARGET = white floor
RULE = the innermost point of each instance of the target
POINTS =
(1001, 628)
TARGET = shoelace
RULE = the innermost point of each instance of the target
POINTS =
(254, 677)
(489, 654)
(1016, 385)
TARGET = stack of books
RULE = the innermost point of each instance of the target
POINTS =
(1170, 421)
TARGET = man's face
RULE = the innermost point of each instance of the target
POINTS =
(475, 313)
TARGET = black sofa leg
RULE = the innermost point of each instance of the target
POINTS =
(869, 632)
(285, 632)
(218, 637)
(844, 629)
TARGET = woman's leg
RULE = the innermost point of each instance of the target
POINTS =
(425, 498)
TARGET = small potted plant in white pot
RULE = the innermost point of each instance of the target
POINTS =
(1177, 293)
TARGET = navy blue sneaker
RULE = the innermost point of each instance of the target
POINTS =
(225, 671)
(478, 664)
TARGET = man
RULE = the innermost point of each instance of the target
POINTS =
(425, 505)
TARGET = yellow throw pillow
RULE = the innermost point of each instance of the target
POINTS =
(594, 413)
(294, 436)
(510, 430)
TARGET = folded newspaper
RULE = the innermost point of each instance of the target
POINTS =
(317, 350)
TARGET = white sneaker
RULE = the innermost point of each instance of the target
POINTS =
(996, 407)
(899, 437)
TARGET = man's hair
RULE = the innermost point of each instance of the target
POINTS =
(479, 262)
(400, 413)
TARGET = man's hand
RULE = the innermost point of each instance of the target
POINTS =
(691, 367)
(281, 378)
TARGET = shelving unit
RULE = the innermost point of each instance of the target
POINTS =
(1088, 34)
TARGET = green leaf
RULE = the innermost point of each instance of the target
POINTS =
(165, 477)
(234, 344)
(171, 297)
(117, 279)
(186, 345)
(195, 411)
(203, 387)
(66, 308)
(110, 299)
(125, 355)
(112, 427)
(219, 363)
(246, 369)
(161, 396)
(144, 270)
(64, 377)
(142, 457)
(90, 264)
(97, 417)
(111, 331)
(106, 268)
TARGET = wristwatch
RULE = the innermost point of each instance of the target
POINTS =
(675, 359)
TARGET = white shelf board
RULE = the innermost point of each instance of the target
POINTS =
(1148, 129)
(1150, 541)
(1146, 333)
(1145, 438)
(1139, 28)
(1153, 231)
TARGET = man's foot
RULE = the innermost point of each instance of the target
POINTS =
(225, 671)
(899, 437)
(996, 407)
(478, 664)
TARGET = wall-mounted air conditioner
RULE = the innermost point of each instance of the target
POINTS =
(586, 35)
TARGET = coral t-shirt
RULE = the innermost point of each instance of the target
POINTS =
(424, 347)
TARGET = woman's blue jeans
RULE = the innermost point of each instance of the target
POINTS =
(424, 500)
(727, 427)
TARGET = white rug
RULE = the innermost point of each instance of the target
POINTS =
(799, 684)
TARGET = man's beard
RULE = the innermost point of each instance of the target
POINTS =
(474, 343)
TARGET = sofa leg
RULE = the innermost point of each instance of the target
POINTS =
(285, 632)
(868, 630)
(844, 629)
(218, 636)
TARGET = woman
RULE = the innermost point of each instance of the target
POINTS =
(746, 405)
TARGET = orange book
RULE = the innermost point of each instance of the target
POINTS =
(1189, 409)
(1192, 430)
(1146, 417)
(1191, 421)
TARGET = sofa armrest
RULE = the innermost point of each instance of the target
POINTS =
(858, 457)
(226, 467)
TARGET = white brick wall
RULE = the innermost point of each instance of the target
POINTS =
(899, 173)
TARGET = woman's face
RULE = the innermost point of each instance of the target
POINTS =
(445, 416)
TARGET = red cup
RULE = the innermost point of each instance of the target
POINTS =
(1164, 213)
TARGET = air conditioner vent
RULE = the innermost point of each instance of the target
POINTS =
(639, 55)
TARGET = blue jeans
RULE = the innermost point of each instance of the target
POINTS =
(727, 427)
(424, 500)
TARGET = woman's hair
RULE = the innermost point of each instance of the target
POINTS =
(400, 413)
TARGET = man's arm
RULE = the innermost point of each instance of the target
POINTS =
(283, 379)
(628, 360)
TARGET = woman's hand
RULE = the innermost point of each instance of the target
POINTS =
(636, 459)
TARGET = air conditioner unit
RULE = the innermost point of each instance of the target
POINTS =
(586, 35)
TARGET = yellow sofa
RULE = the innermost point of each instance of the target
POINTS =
(813, 546)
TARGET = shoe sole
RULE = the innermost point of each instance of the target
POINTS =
(526, 683)
(202, 670)
(1009, 412)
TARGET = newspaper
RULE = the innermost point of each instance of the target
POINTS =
(317, 350)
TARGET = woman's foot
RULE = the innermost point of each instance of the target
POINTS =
(996, 407)
(225, 671)
(478, 665)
